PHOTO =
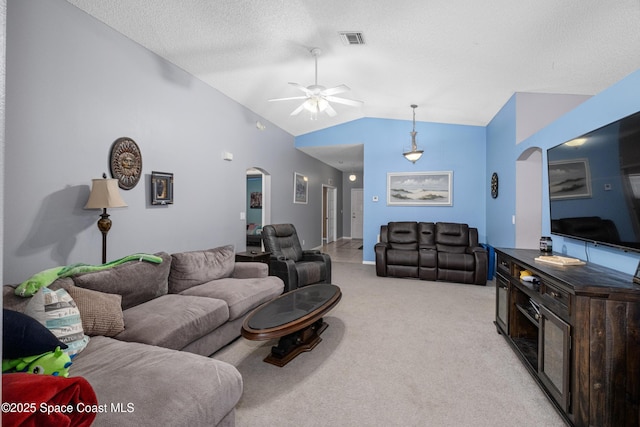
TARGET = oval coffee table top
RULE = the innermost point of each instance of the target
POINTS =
(290, 312)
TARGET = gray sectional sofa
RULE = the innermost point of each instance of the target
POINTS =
(174, 313)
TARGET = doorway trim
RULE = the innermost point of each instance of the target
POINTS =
(266, 196)
(329, 234)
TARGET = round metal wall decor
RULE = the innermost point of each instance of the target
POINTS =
(494, 185)
(126, 163)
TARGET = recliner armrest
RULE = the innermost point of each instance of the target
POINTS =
(285, 269)
(310, 251)
(314, 256)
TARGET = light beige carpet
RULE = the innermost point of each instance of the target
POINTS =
(397, 352)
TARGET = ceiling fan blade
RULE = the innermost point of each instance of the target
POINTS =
(297, 110)
(336, 90)
(299, 86)
(351, 102)
(330, 111)
(287, 99)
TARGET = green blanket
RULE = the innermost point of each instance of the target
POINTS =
(47, 277)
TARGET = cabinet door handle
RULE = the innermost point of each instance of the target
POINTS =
(554, 294)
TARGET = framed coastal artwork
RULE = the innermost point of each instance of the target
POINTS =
(420, 188)
(569, 179)
(300, 188)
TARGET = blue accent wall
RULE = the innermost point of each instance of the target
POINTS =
(473, 153)
(616, 102)
(501, 155)
(457, 148)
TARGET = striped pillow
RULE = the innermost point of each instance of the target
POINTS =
(58, 312)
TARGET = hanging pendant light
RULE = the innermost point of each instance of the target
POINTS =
(415, 154)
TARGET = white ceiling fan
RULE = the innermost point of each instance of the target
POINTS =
(317, 98)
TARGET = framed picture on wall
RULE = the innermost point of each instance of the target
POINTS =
(255, 201)
(420, 188)
(569, 179)
(300, 188)
(161, 188)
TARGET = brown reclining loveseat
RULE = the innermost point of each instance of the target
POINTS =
(431, 251)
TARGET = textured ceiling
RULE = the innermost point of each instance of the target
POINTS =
(458, 60)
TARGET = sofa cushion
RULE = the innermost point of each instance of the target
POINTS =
(403, 235)
(456, 261)
(173, 321)
(58, 312)
(452, 237)
(136, 281)
(197, 267)
(153, 383)
(241, 295)
(101, 313)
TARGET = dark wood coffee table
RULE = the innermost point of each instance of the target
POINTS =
(295, 317)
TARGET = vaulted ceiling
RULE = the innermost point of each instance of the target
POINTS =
(458, 60)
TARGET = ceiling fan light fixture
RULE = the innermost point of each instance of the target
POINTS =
(316, 104)
(317, 98)
(414, 155)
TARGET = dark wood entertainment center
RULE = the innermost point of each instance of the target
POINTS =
(578, 333)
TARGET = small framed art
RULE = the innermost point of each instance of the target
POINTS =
(161, 188)
(300, 188)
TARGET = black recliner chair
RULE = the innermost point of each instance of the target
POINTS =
(295, 266)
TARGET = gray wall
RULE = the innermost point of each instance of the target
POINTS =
(73, 87)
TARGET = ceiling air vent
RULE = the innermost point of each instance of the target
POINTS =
(351, 37)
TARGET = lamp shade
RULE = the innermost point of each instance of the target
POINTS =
(413, 156)
(104, 194)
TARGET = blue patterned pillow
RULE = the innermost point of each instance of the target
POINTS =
(58, 312)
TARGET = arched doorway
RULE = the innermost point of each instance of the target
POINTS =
(529, 199)
(258, 208)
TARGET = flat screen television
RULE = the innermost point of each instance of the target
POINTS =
(594, 185)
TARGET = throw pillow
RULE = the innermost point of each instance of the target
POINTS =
(58, 312)
(101, 313)
(24, 336)
(137, 282)
(194, 268)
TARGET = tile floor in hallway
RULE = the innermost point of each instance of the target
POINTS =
(344, 250)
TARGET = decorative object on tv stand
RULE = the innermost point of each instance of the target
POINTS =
(546, 244)
(104, 194)
(126, 162)
(415, 154)
(161, 188)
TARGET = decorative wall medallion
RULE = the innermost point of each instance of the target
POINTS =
(494, 185)
(126, 162)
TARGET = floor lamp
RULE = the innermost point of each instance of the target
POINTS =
(104, 194)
